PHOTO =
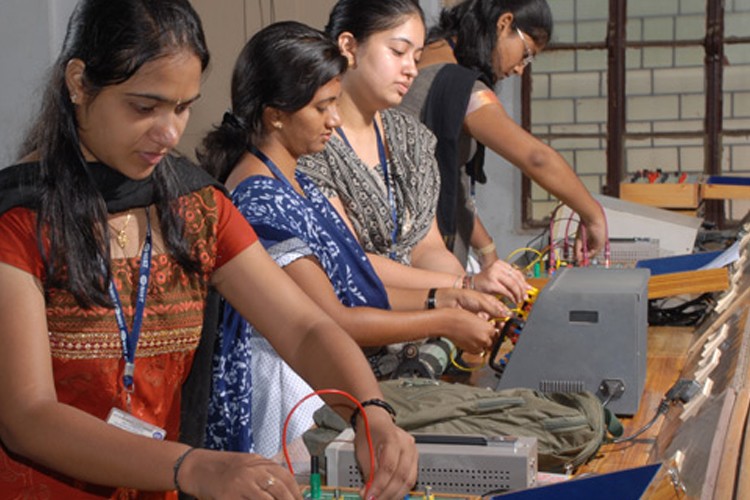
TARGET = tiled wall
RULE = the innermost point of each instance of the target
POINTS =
(664, 89)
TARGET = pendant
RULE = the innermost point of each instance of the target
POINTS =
(122, 239)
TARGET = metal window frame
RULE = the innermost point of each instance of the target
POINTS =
(616, 134)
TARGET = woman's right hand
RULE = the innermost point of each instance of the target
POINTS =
(217, 474)
(468, 331)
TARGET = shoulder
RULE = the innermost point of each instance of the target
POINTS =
(191, 176)
(408, 128)
(395, 118)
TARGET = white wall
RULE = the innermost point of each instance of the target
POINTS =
(31, 33)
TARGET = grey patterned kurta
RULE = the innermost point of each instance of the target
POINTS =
(412, 166)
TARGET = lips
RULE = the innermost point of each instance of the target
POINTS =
(403, 87)
(152, 158)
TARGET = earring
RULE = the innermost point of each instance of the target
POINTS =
(277, 125)
(74, 98)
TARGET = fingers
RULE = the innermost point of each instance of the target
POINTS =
(272, 481)
(395, 456)
(506, 280)
(396, 471)
(239, 475)
(476, 338)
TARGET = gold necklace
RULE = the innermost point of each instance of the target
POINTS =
(122, 238)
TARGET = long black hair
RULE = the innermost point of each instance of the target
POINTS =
(474, 25)
(282, 66)
(362, 18)
(114, 39)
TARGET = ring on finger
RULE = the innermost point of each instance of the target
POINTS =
(269, 482)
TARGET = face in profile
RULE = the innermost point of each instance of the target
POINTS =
(131, 126)
(385, 64)
(514, 50)
(307, 130)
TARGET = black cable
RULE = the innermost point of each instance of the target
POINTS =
(683, 391)
(688, 313)
(663, 408)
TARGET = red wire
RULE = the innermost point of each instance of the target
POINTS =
(364, 419)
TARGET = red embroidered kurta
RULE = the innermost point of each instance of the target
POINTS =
(85, 344)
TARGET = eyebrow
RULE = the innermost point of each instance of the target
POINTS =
(405, 40)
(163, 99)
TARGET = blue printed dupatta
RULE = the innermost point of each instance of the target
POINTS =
(280, 215)
(289, 226)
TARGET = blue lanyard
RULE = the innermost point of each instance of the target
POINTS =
(130, 340)
(387, 178)
(271, 165)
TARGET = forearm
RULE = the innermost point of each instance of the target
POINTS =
(300, 331)
(327, 361)
(436, 259)
(377, 327)
(407, 299)
(483, 244)
(81, 446)
(554, 175)
(401, 276)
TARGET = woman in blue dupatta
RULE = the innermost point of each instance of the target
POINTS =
(284, 104)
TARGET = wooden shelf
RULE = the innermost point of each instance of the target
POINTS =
(709, 280)
(665, 285)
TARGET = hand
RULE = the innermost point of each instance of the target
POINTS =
(395, 456)
(215, 474)
(485, 305)
(504, 279)
(596, 236)
(469, 332)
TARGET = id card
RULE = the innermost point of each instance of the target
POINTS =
(128, 422)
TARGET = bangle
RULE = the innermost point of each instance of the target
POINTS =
(468, 282)
(372, 402)
(486, 250)
(431, 302)
(176, 468)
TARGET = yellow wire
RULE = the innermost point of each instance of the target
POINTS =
(464, 368)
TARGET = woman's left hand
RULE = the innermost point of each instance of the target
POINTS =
(486, 305)
(504, 279)
(395, 456)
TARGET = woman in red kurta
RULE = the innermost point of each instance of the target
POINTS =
(108, 245)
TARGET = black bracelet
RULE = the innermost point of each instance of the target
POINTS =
(176, 468)
(431, 302)
(372, 402)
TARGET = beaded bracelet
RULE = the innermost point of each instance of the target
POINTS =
(431, 302)
(486, 250)
(372, 402)
(176, 468)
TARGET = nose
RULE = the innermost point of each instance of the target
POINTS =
(167, 130)
(334, 118)
(410, 68)
(519, 68)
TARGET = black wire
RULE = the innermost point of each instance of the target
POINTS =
(688, 313)
(663, 407)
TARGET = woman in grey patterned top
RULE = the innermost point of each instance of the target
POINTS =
(379, 170)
